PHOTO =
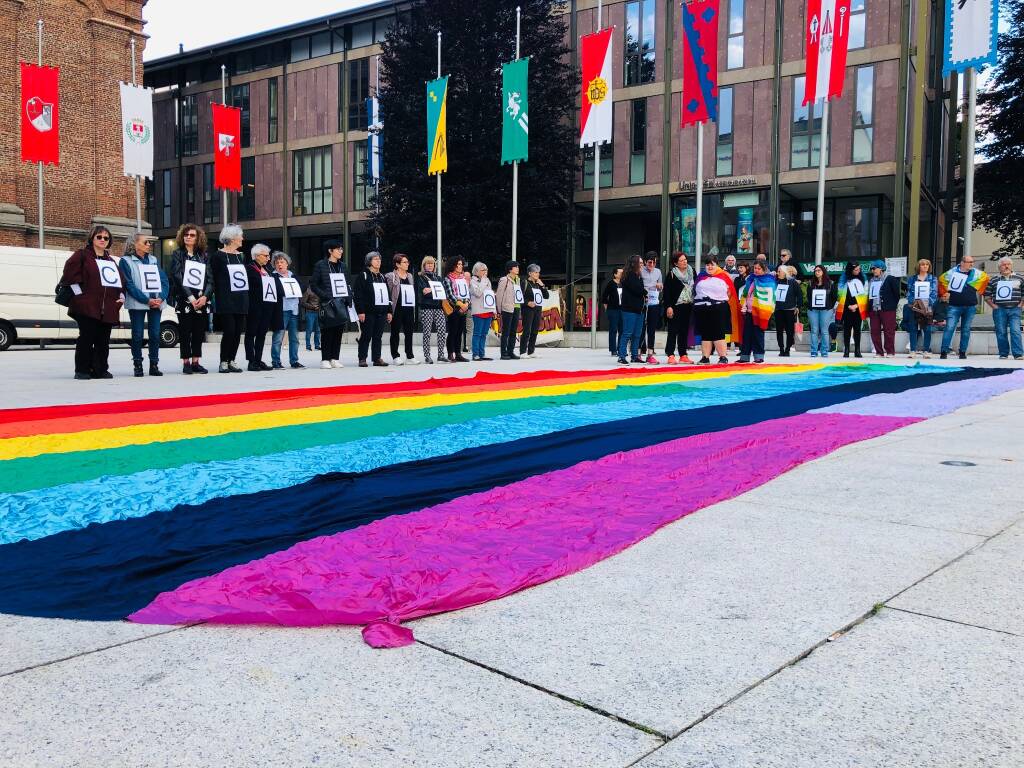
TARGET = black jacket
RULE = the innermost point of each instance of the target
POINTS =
(362, 289)
(633, 293)
(427, 300)
(673, 287)
(528, 288)
(889, 293)
(792, 296)
(831, 297)
(610, 294)
(179, 294)
(257, 306)
(320, 282)
(227, 302)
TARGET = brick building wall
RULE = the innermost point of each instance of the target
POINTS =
(89, 40)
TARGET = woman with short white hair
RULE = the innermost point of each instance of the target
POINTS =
(262, 303)
(482, 308)
(231, 289)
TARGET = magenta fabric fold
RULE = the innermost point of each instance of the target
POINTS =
(487, 545)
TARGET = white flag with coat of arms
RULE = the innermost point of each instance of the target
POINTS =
(137, 130)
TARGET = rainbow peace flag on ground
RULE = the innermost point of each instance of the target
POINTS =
(762, 305)
(376, 505)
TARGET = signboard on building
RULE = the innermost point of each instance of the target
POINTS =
(745, 232)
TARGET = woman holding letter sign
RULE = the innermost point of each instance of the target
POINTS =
(456, 284)
(821, 299)
(97, 295)
(330, 282)
(288, 306)
(534, 293)
(922, 293)
(430, 290)
(402, 292)
(191, 291)
(263, 298)
(231, 286)
(852, 308)
(787, 308)
(482, 305)
(374, 309)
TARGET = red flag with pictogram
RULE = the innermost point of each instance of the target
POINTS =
(40, 134)
(227, 148)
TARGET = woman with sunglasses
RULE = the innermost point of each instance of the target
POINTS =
(97, 295)
(191, 296)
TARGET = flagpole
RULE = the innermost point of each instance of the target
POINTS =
(515, 168)
(596, 226)
(819, 221)
(698, 246)
(375, 163)
(972, 106)
(138, 182)
(440, 262)
(224, 103)
(39, 61)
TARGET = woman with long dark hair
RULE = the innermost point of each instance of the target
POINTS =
(402, 292)
(192, 292)
(456, 283)
(634, 299)
(852, 307)
(97, 293)
(821, 302)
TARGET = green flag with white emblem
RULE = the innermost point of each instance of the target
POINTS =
(515, 122)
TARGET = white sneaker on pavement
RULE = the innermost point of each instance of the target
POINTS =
(326, 365)
(412, 361)
(397, 361)
(336, 364)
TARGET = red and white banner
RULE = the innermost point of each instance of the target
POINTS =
(227, 148)
(40, 127)
(596, 100)
(828, 35)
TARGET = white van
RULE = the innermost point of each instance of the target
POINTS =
(28, 277)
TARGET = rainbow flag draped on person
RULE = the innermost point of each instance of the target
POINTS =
(862, 297)
(761, 289)
(976, 278)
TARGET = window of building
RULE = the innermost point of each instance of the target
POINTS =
(239, 97)
(362, 184)
(863, 115)
(338, 39)
(858, 23)
(189, 126)
(272, 110)
(723, 143)
(734, 57)
(190, 193)
(165, 200)
(639, 54)
(638, 142)
(151, 198)
(320, 44)
(247, 197)
(358, 91)
(805, 141)
(606, 166)
(243, 62)
(381, 27)
(300, 49)
(311, 182)
(362, 34)
(211, 196)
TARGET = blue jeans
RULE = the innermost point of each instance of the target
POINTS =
(291, 324)
(632, 324)
(140, 319)
(480, 326)
(1007, 322)
(964, 316)
(614, 328)
(819, 320)
(313, 328)
(915, 330)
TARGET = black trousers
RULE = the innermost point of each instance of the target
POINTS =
(256, 329)
(652, 318)
(92, 350)
(509, 323)
(851, 325)
(330, 342)
(785, 327)
(231, 329)
(402, 321)
(531, 327)
(191, 332)
(371, 336)
(678, 329)
(456, 324)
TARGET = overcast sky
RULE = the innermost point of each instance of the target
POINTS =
(197, 23)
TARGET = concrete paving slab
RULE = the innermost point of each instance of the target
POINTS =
(899, 691)
(28, 642)
(984, 588)
(239, 696)
(664, 632)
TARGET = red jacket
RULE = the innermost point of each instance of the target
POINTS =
(96, 300)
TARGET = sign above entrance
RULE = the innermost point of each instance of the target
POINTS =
(832, 267)
(745, 181)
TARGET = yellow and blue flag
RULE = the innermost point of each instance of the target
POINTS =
(437, 125)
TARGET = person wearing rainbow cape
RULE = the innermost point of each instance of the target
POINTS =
(757, 303)
(961, 287)
(852, 309)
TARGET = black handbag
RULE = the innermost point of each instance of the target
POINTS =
(333, 313)
(63, 294)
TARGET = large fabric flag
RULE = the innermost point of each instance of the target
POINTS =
(40, 127)
(700, 62)
(970, 34)
(596, 98)
(828, 35)
(227, 148)
(437, 126)
(375, 140)
(137, 130)
(515, 119)
(760, 289)
(954, 281)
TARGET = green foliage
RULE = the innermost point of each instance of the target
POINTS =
(478, 36)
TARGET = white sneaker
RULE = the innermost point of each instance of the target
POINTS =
(912, 355)
(397, 361)
(326, 365)
(926, 355)
(412, 361)
(336, 364)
